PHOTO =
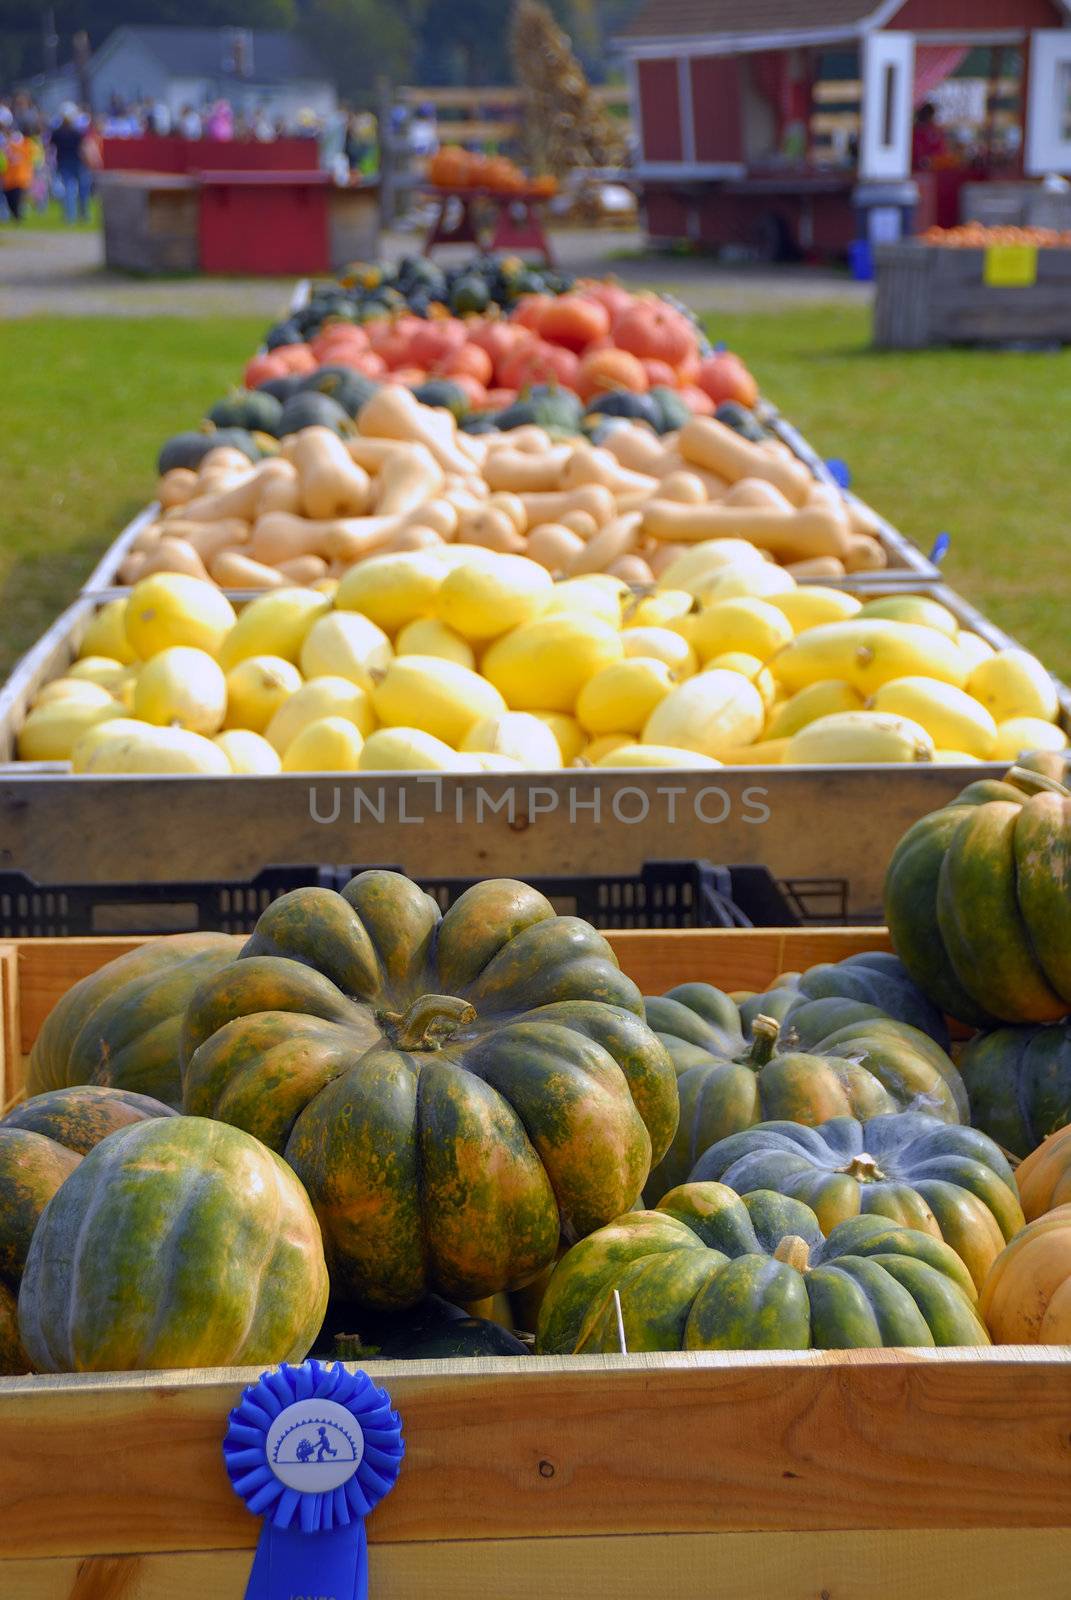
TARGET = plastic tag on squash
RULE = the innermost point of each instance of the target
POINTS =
(1010, 266)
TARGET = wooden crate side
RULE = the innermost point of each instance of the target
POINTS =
(911, 1564)
(731, 958)
(763, 1442)
(11, 1074)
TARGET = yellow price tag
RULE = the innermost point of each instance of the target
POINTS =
(1010, 266)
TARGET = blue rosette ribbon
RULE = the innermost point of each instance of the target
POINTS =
(312, 1449)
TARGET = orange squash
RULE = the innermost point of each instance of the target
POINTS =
(1026, 1299)
(1044, 1178)
(603, 371)
(654, 331)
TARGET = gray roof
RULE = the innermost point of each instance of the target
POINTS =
(667, 19)
(278, 57)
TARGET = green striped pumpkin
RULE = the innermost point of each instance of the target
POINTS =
(950, 1182)
(710, 1270)
(1019, 1084)
(176, 1242)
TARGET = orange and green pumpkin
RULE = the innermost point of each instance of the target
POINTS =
(13, 1359)
(948, 1181)
(1044, 1178)
(32, 1167)
(1018, 1081)
(459, 1094)
(1026, 1298)
(177, 1242)
(978, 901)
(827, 1058)
(121, 1026)
(80, 1117)
(711, 1270)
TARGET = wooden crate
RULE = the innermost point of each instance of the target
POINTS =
(933, 295)
(150, 221)
(883, 1475)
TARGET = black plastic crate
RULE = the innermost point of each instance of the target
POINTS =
(665, 894)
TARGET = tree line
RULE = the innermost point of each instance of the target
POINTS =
(423, 41)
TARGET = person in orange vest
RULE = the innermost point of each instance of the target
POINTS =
(17, 153)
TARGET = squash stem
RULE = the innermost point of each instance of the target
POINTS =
(794, 1252)
(428, 1022)
(864, 1169)
(765, 1032)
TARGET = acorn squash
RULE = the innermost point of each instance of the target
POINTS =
(457, 1093)
(177, 1242)
(121, 1025)
(252, 409)
(829, 1057)
(978, 902)
(189, 449)
(708, 1270)
(348, 388)
(949, 1181)
(1018, 1081)
(309, 409)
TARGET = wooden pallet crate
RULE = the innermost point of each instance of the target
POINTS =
(886, 1475)
(829, 825)
(933, 295)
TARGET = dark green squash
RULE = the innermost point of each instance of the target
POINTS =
(469, 295)
(673, 410)
(741, 420)
(1018, 1081)
(122, 1025)
(442, 393)
(176, 1242)
(874, 978)
(351, 390)
(623, 403)
(81, 1116)
(709, 1270)
(189, 449)
(952, 1182)
(32, 1168)
(252, 409)
(820, 1059)
(308, 409)
(458, 1093)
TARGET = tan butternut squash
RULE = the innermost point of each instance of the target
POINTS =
(817, 567)
(685, 486)
(631, 569)
(174, 488)
(554, 547)
(756, 492)
(527, 437)
(438, 514)
(590, 465)
(303, 570)
(370, 453)
(792, 536)
(281, 537)
(710, 444)
(513, 507)
(591, 497)
(410, 537)
(170, 555)
(223, 458)
(281, 491)
(239, 501)
(407, 479)
(456, 482)
(582, 523)
(861, 519)
(233, 569)
(332, 484)
(526, 471)
(393, 413)
(490, 528)
(638, 449)
(715, 485)
(209, 537)
(663, 556)
(615, 539)
(864, 554)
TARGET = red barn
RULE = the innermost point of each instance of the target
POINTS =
(762, 122)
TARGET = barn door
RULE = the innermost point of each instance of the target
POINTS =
(888, 105)
(1048, 130)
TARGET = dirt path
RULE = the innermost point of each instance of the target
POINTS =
(63, 274)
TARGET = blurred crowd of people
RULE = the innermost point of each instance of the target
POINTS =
(46, 158)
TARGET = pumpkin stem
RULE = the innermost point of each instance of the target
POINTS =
(794, 1252)
(765, 1032)
(428, 1022)
(864, 1169)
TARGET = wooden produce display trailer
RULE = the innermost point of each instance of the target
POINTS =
(880, 1474)
(937, 294)
(831, 826)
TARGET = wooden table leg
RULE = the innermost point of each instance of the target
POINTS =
(523, 232)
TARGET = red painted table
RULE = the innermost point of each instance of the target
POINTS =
(518, 221)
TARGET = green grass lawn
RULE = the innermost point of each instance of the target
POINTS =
(52, 219)
(965, 441)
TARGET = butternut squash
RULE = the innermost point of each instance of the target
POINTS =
(587, 465)
(715, 485)
(861, 518)
(710, 444)
(756, 492)
(393, 413)
(513, 506)
(582, 523)
(223, 457)
(817, 567)
(492, 529)
(637, 449)
(410, 537)
(632, 569)
(239, 501)
(528, 437)
(369, 453)
(554, 547)
(332, 484)
(460, 483)
(687, 487)
(209, 537)
(281, 491)
(664, 556)
(864, 554)
(525, 471)
(591, 497)
(407, 479)
(170, 555)
(438, 514)
(176, 487)
(794, 536)
(303, 570)
(281, 537)
(232, 569)
(615, 539)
